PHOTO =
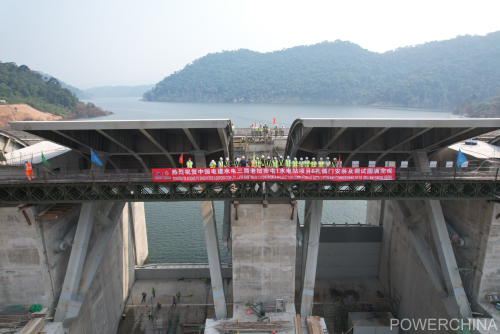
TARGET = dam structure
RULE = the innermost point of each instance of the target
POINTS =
(74, 238)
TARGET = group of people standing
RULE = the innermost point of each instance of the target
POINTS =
(175, 298)
(259, 131)
(262, 162)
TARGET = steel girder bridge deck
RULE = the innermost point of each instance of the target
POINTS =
(261, 191)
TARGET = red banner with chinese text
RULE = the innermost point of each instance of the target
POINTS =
(269, 174)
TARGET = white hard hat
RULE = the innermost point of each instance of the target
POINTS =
(220, 158)
(243, 157)
(300, 159)
(307, 158)
(262, 155)
(314, 158)
(258, 158)
(237, 159)
(296, 159)
(268, 157)
(288, 157)
(327, 158)
(227, 159)
(213, 161)
(334, 158)
(281, 157)
(275, 158)
(320, 158)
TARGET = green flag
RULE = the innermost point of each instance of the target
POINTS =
(45, 162)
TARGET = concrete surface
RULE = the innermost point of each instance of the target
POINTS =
(192, 310)
(264, 252)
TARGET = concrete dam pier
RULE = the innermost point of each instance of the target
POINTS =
(74, 238)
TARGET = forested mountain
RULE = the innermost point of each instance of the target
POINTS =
(76, 91)
(19, 84)
(118, 91)
(434, 75)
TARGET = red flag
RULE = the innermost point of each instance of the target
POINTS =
(340, 162)
(274, 120)
(181, 159)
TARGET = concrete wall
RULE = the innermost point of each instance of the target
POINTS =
(401, 271)
(264, 250)
(478, 221)
(346, 251)
(31, 272)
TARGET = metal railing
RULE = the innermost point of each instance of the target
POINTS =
(251, 133)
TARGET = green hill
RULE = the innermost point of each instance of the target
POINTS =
(19, 84)
(435, 74)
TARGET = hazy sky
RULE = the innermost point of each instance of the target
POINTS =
(119, 42)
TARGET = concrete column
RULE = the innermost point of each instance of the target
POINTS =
(207, 209)
(443, 245)
(312, 245)
(446, 257)
(226, 225)
(97, 252)
(75, 264)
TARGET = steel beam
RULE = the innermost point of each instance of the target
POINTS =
(402, 143)
(300, 140)
(191, 139)
(125, 148)
(334, 138)
(312, 245)
(157, 144)
(128, 191)
(372, 138)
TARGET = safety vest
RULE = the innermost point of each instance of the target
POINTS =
(280, 162)
(301, 163)
(306, 163)
(236, 163)
(261, 129)
(221, 164)
(213, 164)
(258, 163)
(269, 163)
(275, 163)
(27, 166)
(288, 163)
(314, 163)
(294, 163)
(232, 127)
(328, 163)
(226, 163)
(334, 164)
(276, 128)
(321, 164)
(189, 164)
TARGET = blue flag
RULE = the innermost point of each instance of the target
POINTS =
(94, 158)
(460, 158)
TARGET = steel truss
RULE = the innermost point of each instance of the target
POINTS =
(171, 192)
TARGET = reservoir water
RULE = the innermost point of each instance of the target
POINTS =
(175, 230)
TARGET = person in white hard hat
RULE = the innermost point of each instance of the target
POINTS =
(328, 162)
(221, 163)
(294, 163)
(288, 162)
(275, 163)
(335, 163)
(269, 162)
(301, 162)
(226, 163)
(321, 163)
(314, 163)
(280, 162)
(243, 162)
(213, 164)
